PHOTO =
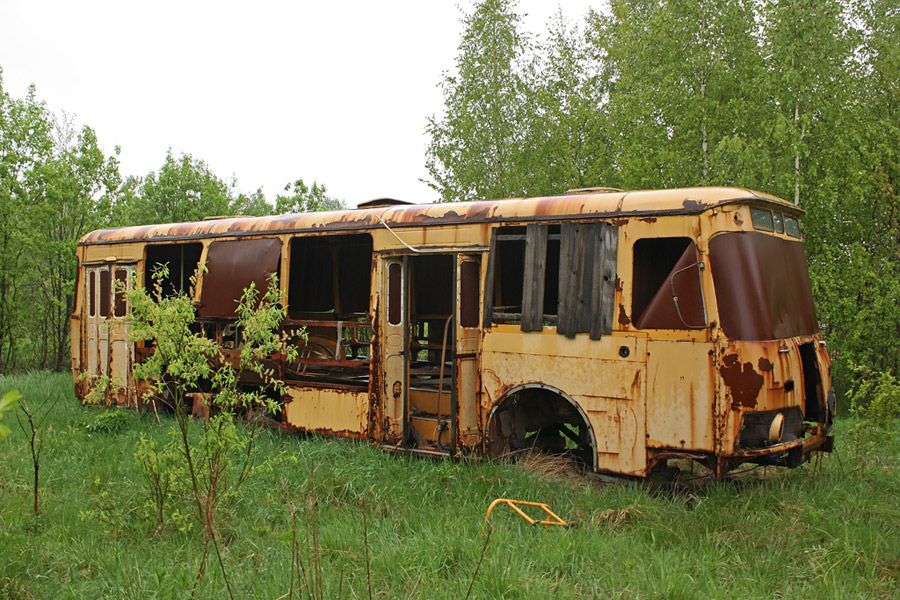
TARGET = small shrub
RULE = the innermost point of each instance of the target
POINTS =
(876, 398)
(108, 421)
(161, 469)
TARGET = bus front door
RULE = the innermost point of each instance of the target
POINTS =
(107, 357)
(430, 341)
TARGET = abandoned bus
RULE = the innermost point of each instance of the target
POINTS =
(624, 328)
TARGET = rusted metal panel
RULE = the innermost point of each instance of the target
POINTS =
(342, 413)
(763, 287)
(607, 383)
(638, 204)
(680, 395)
(232, 266)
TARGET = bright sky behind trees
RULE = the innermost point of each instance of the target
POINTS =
(269, 92)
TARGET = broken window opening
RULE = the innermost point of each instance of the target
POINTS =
(330, 275)
(329, 291)
(508, 256)
(666, 286)
(120, 290)
(181, 260)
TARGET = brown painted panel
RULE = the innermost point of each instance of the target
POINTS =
(762, 286)
(104, 293)
(231, 267)
(469, 272)
(92, 308)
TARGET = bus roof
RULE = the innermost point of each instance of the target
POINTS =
(607, 204)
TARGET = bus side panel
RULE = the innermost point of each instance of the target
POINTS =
(605, 378)
(681, 396)
(337, 412)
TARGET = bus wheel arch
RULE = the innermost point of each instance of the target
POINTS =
(539, 416)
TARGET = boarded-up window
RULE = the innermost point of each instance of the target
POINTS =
(557, 273)
(666, 288)
(587, 278)
(180, 260)
(231, 267)
(330, 274)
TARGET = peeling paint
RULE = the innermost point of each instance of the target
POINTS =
(623, 317)
(742, 380)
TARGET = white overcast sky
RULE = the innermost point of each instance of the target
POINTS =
(268, 92)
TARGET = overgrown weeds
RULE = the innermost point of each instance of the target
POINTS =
(409, 527)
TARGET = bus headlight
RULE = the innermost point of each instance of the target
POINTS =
(776, 429)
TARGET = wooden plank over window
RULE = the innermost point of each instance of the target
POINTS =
(602, 310)
(568, 280)
(587, 279)
(583, 293)
(535, 269)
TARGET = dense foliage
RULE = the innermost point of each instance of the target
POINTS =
(795, 98)
(56, 184)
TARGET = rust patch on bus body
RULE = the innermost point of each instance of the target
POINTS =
(742, 380)
(623, 317)
(765, 365)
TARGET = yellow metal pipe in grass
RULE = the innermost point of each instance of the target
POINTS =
(554, 519)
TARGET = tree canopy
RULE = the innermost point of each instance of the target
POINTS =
(57, 184)
(798, 98)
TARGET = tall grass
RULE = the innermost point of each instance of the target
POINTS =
(826, 530)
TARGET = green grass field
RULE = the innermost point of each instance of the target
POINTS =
(829, 529)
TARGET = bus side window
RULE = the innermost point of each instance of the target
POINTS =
(666, 290)
(180, 260)
(121, 283)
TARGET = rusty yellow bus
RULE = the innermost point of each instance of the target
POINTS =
(625, 328)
